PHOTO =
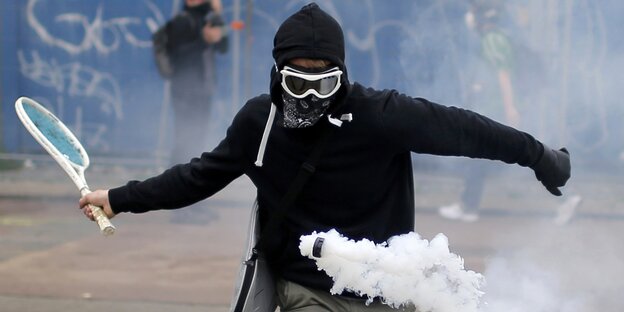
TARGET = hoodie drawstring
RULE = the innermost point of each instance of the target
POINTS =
(267, 130)
(338, 121)
(265, 136)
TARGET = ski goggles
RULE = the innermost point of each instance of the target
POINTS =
(300, 84)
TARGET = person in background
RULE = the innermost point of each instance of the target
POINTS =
(362, 184)
(536, 81)
(491, 92)
(507, 74)
(194, 36)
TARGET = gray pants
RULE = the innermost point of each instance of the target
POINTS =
(293, 297)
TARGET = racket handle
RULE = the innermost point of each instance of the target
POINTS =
(106, 227)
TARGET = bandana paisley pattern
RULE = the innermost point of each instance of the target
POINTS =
(305, 112)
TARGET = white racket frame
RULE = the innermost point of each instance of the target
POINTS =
(73, 170)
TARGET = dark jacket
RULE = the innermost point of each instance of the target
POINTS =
(363, 185)
(192, 58)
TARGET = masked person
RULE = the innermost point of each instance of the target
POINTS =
(362, 184)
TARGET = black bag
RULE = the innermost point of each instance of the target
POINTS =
(161, 54)
(255, 290)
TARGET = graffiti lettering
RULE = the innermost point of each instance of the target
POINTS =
(73, 79)
(105, 36)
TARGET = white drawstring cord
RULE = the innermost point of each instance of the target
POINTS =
(334, 121)
(267, 130)
(265, 136)
(338, 122)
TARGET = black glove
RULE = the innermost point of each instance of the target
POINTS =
(553, 169)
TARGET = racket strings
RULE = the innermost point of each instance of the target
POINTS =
(50, 127)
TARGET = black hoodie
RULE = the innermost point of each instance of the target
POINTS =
(363, 184)
(193, 59)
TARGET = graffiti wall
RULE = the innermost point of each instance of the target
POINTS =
(91, 63)
(88, 62)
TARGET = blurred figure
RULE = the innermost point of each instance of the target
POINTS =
(191, 39)
(535, 80)
(507, 73)
(491, 92)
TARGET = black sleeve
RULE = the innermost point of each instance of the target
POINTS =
(183, 184)
(426, 127)
(182, 29)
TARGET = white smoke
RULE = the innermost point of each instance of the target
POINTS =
(577, 268)
(521, 287)
(405, 270)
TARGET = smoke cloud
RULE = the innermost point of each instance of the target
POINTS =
(570, 269)
(405, 270)
(577, 268)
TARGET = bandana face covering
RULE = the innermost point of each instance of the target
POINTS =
(305, 112)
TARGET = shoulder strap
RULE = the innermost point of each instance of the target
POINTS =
(307, 169)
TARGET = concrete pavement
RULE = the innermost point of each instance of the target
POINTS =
(53, 259)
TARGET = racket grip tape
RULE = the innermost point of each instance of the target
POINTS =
(106, 227)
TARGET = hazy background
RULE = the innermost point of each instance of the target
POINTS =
(91, 63)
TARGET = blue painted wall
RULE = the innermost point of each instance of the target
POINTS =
(91, 63)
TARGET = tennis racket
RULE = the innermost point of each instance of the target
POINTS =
(63, 146)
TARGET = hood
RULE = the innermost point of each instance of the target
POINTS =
(198, 10)
(309, 33)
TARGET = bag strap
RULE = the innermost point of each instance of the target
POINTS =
(307, 169)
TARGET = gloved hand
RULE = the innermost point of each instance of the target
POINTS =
(553, 169)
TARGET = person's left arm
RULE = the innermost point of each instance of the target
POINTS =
(422, 126)
(214, 32)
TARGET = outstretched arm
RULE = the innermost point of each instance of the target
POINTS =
(425, 127)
